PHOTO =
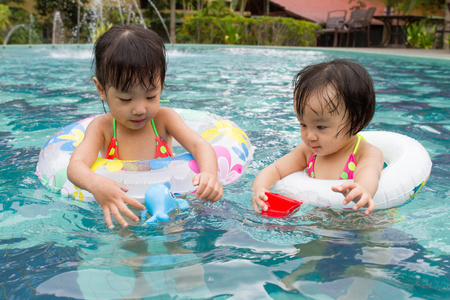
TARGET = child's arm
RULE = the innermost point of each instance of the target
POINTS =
(209, 187)
(110, 194)
(290, 163)
(365, 179)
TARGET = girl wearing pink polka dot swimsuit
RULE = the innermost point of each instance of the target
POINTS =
(333, 101)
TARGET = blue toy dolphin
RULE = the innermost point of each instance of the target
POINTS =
(160, 202)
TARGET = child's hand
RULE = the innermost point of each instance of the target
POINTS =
(209, 187)
(259, 200)
(352, 192)
(112, 197)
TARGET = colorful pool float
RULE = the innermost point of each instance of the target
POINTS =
(231, 144)
(407, 171)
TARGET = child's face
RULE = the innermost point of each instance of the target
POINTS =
(323, 132)
(132, 108)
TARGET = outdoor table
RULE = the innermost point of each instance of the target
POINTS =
(388, 21)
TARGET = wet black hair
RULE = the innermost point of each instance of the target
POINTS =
(352, 85)
(130, 55)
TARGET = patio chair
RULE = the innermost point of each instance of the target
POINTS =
(335, 23)
(443, 28)
(360, 21)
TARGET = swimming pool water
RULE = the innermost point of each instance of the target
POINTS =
(53, 247)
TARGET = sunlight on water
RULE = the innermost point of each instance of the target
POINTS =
(71, 54)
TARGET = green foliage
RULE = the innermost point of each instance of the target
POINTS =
(99, 30)
(440, 3)
(113, 15)
(407, 6)
(230, 30)
(6, 2)
(238, 30)
(418, 35)
(217, 9)
(18, 16)
(5, 13)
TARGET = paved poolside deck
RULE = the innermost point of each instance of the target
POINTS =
(419, 53)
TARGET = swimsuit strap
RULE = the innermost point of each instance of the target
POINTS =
(154, 128)
(350, 166)
(113, 148)
(115, 128)
(357, 143)
(311, 162)
(162, 150)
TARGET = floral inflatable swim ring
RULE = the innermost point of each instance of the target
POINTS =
(231, 144)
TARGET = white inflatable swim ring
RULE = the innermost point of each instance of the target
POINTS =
(408, 169)
(232, 146)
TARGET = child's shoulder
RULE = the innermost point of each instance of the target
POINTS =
(102, 119)
(366, 149)
(101, 123)
(166, 111)
(166, 114)
(304, 150)
(299, 156)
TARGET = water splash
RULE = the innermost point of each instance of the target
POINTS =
(140, 14)
(57, 29)
(119, 6)
(78, 21)
(162, 20)
(30, 29)
(97, 6)
(11, 32)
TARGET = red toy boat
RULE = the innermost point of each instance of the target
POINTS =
(280, 206)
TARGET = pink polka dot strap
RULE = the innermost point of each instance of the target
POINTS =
(350, 166)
